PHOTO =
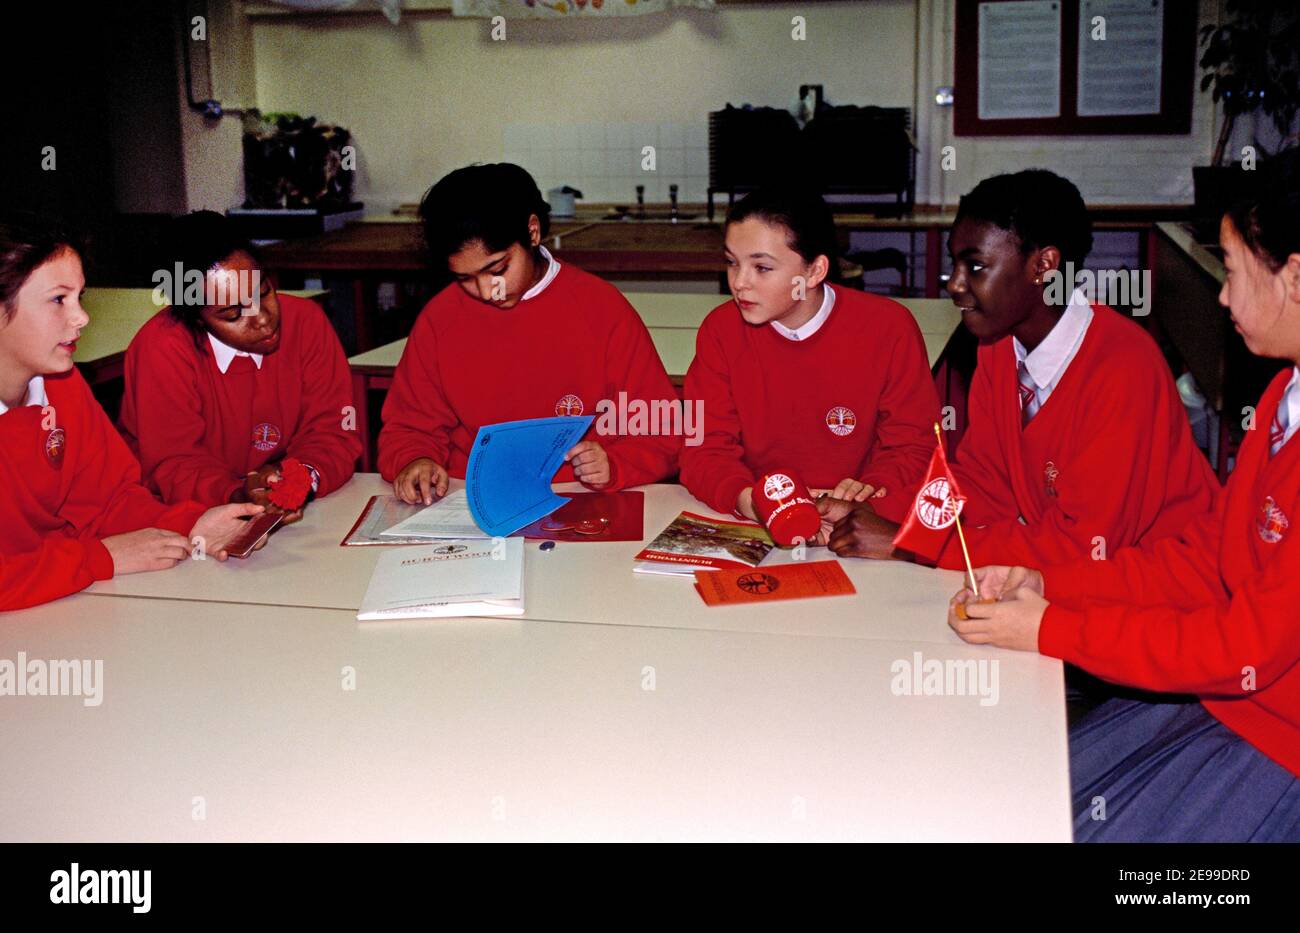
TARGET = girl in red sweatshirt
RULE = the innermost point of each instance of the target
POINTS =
(233, 377)
(1206, 617)
(1078, 443)
(798, 374)
(71, 504)
(516, 335)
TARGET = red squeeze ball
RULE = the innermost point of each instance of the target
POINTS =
(785, 507)
(290, 492)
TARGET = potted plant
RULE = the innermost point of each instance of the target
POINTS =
(1251, 62)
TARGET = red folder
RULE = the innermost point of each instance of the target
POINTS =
(592, 516)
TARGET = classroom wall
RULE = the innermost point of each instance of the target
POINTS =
(212, 152)
(574, 102)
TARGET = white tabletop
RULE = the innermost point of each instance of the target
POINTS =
(589, 582)
(491, 729)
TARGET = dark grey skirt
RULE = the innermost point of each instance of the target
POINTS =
(1167, 771)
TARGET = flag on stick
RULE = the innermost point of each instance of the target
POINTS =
(936, 513)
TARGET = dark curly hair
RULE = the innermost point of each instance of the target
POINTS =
(1040, 207)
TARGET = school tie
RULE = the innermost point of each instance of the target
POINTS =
(1028, 393)
(1281, 420)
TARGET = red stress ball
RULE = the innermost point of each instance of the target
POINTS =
(290, 491)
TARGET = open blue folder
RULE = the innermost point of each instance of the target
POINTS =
(511, 465)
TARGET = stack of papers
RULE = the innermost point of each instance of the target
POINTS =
(467, 577)
(449, 517)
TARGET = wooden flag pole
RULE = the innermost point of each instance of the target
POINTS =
(970, 571)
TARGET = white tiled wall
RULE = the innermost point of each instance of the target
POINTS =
(603, 160)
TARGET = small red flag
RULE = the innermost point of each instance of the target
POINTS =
(928, 524)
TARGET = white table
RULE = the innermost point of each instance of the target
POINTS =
(588, 582)
(493, 730)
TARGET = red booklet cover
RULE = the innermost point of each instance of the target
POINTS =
(592, 516)
(769, 584)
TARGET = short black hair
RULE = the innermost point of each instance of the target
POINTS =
(1270, 223)
(27, 242)
(802, 211)
(1040, 207)
(490, 204)
(200, 240)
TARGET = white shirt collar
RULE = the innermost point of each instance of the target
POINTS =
(1291, 399)
(1048, 361)
(814, 323)
(225, 354)
(35, 394)
(552, 270)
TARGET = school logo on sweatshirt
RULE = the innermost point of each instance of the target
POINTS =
(55, 442)
(1050, 473)
(841, 421)
(778, 486)
(569, 406)
(266, 436)
(1271, 524)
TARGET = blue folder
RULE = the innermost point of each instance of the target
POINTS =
(511, 466)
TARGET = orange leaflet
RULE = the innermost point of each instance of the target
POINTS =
(768, 584)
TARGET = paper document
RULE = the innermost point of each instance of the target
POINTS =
(449, 517)
(452, 578)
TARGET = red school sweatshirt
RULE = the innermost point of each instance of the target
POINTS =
(1108, 456)
(199, 431)
(68, 480)
(575, 344)
(1211, 611)
(854, 400)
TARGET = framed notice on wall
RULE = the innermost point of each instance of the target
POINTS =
(1064, 67)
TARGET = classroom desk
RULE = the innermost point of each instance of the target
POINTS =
(671, 318)
(116, 316)
(304, 566)
(506, 730)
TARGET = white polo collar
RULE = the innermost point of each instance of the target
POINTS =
(813, 324)
(1291, 399)
(35, 395)
(225, 354)
(552, 270)
(1047, 362)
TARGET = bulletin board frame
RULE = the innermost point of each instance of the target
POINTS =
(1177, 78)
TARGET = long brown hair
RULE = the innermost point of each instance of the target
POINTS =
(27, 242)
